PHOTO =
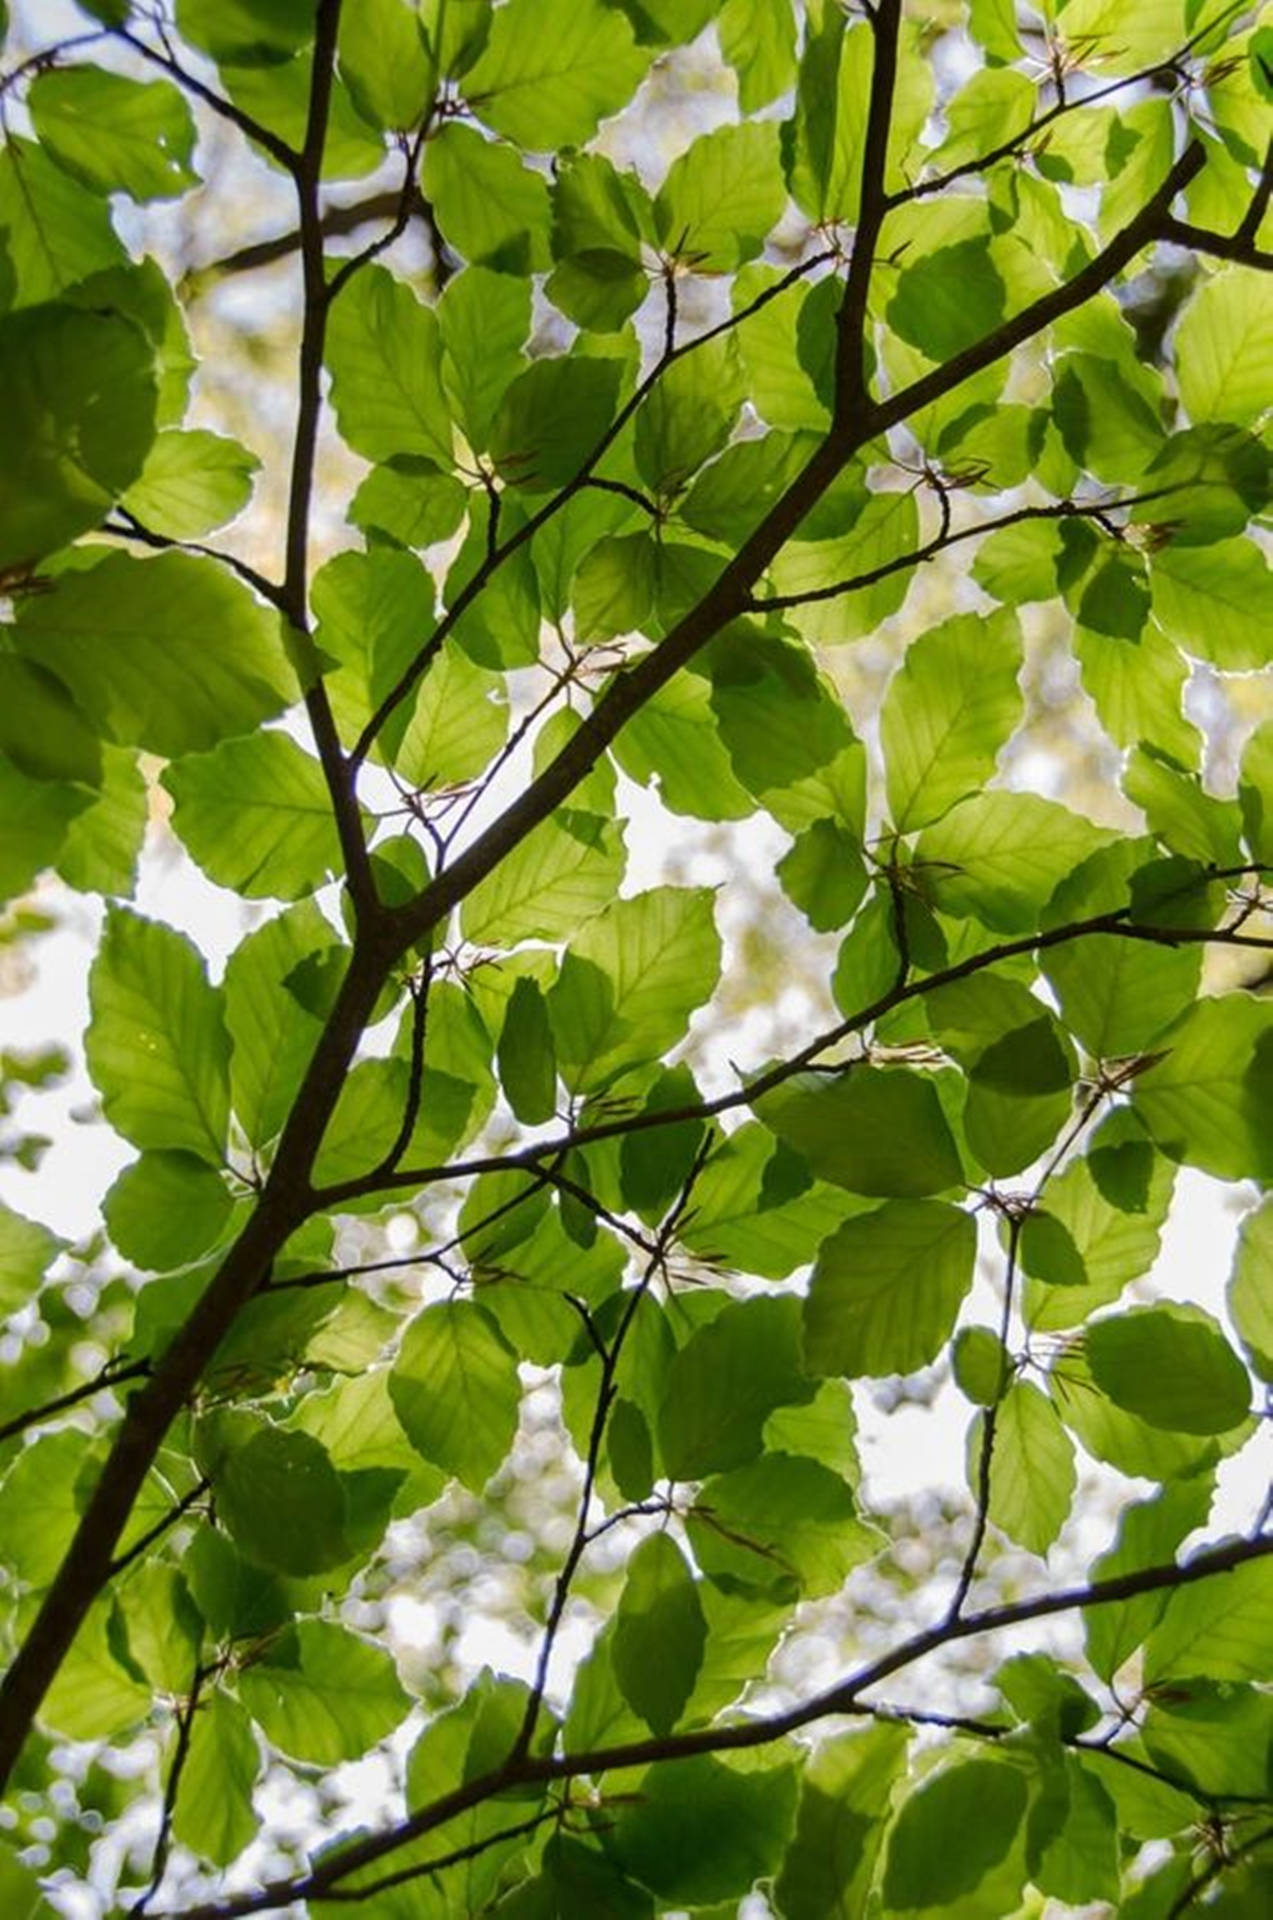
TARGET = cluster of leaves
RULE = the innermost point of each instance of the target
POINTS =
(590, 541)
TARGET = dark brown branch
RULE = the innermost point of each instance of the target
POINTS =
(141, 1547)
(409, 202)
(112, 1375)
(1225, 246)
(989, 1430)
(737, 1736)
(172, 1787)
(277, 148)
(1113, 925)
(852, 400)
(336, 222)
(494, 560)
(126, 526)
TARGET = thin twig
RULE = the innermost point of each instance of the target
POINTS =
(126, 526)
(111, 1375)
(172, 1786)
(160, 1528)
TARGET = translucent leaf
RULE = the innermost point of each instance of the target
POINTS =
(725, 1382)
(783, 1525)
(562, 873)
(948, 712)
(1032, 1472)
(887, 1287)
(385, 64)
(34, 819)
(1169, 1365)
(700, 1830)
(272, 1031)
(1208, 1101)
(721, 197)
(39, 1510)
(551, 418)
(948, 301)
(78, 392)
(951, 1831)
(485, 322)
(458, 723)
(256, 815)
(527, 1059)
(1120, 1438)
(323, 1694)
(156, 1045)
(277, 1494)
(166, 1209)
(56, 232)
(1250, 1293)
(192, 482)
(103, 843)
(757, 1208)
(491, 208)
(1148, 1535)
(845, 1791)
(659, 1633)
(1216, 602)
(455, 1389)
(1220, 1628)
(214, 1815)
(384, 353)
(688, 416)
(171, 654)
(549, 74)
(113, 134)
(1000, 856)
(875, 1130)
(631, 980)
(26, 1251)
(94, 1697)
(824, 875)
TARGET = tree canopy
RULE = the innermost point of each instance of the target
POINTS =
(604, 455)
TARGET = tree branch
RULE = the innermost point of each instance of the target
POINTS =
(852, 398)
(737, 1736)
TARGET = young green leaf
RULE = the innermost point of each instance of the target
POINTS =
(455, 1389)
(887, 1287)
(659, 1633)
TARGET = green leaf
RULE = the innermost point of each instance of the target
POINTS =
(721, 197)
(1148, 1535)
(1216, 602)
(700, 1830)
(247, 31)
(688, 416)
(39, 1510)
(103, 843)
(783, 1525)
(272, 1031)
(57, 233)
(758, 39)
(1000, 856)
(947, 714)
(115, 135)
(1169, 1365)
(34, 819)
(78, 393)
(874, 1130)
(845, 1791)
(192, 482)
(214, 1815)
(951, 1831)
(1222, 1628)
(725, 1382)
(526, 1057)
(949, 300)
(757, 1208)
(166, 1209)
(1206, 1100)
(256, 815)
(1032, 1472)
(458, 723)
(384, 354)
(982, 1365)
(373, 610)
(1224, 349)
(1250, 1291)
(659, 1633)
(171, 654)
(485, 320)
(493, 210)
(26, 1251)
(563, 872)
(455, 1389)
(1080, 1859)
(408, 501)
(323, 1694)
(824, 875)
(95, 1697)
(887, 1287)
(631, 980)
(156, 1045)
(551, 419)
(40, 729)
(277, 1493)
(549, 74)
(385, 64)
(1120, 1438)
